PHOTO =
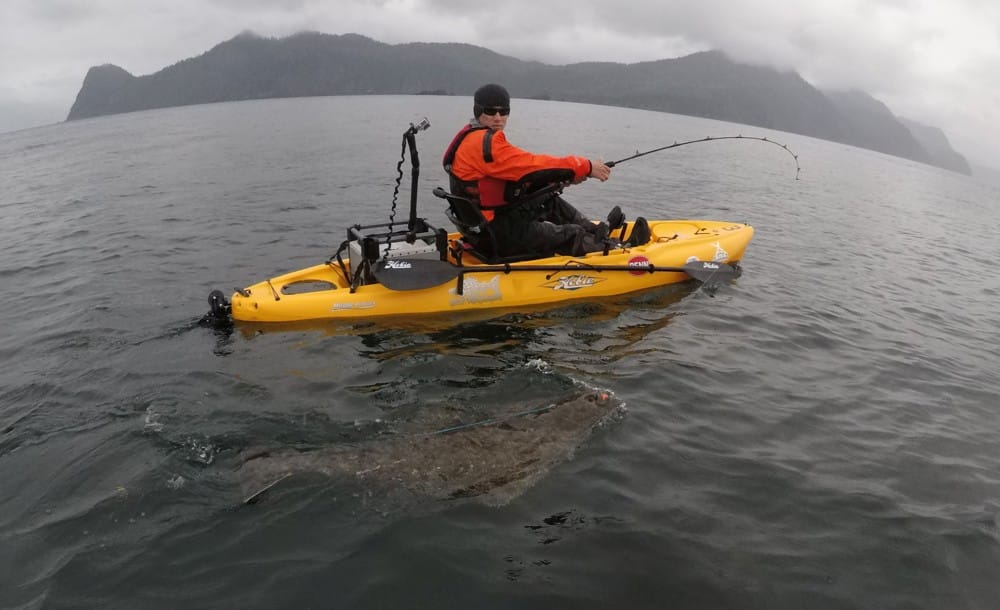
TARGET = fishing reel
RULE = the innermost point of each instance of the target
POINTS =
(421, 126)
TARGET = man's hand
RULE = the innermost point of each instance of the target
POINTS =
(599, 170)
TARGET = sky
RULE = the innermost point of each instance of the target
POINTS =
(933, 61)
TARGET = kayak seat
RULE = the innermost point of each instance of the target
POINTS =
(477, 235)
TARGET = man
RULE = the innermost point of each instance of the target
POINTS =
(500, 178)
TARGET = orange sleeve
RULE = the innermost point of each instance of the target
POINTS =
(509, 162)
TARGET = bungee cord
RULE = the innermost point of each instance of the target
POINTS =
(409, 140)
(395, 197)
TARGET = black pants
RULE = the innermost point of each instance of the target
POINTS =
(554, 227)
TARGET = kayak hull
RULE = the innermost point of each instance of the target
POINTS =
(323, 292)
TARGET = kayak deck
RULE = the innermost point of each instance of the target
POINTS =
(325, 291)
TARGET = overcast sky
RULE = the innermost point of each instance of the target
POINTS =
(934, 61)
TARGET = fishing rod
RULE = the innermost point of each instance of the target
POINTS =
(712, 139)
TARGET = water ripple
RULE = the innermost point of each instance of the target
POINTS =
(820, 433)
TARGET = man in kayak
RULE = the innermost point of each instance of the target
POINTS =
(501, 178)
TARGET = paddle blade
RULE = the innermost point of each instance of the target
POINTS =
(709, 272)
(414, 273)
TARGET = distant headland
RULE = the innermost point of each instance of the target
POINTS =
(706, 84)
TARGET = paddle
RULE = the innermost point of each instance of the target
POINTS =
(414, 273)
(418, 274)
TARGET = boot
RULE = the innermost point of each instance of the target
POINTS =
(616, 218)
(640, 233)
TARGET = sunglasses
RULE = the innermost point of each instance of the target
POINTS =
(492, 110)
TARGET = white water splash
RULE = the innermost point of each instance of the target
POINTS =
(152, 423)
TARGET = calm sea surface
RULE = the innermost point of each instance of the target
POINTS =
(822, 433)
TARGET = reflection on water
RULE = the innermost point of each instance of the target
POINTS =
(458, 326)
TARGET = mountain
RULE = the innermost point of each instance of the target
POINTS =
(707, 84)
(875, 127)
(936, 144)
(987, 175)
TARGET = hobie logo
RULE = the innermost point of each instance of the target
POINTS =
(704, 264)
(398, 265)
(572, 282)
(639, 265)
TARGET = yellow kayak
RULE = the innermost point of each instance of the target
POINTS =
(433, 274)
(411, 268)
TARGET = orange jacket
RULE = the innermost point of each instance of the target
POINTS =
(507, 164)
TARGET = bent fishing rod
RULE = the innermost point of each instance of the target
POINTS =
(712, 139)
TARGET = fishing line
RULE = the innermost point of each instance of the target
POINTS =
(493, 420)
(712, 139)
(503, 418)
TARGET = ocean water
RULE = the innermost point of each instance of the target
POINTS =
(823, 432)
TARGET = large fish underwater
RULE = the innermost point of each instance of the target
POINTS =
(494, 459)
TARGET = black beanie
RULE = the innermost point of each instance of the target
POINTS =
(490, 95)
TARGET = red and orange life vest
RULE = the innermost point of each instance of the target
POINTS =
(483, 166)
